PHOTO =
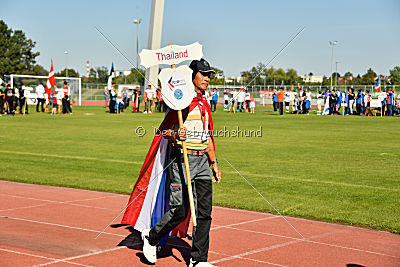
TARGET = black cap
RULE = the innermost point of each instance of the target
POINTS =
(200, 66)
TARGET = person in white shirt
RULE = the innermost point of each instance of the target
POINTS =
(287, 99)
(226, 99)
(149, 95)
(320, 102)
(240, 100)
(247, 98)
(40, 97)
(120, 102)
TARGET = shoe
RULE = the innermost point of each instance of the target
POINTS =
(150, 112)
(200, 264)
(149, 251)
(145, 112)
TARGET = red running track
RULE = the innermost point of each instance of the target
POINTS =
(45, 225)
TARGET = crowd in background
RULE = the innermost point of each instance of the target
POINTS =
(15, 100)
(336, 102)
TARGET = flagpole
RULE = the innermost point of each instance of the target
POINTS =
(186, 161)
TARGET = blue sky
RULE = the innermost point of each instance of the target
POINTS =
(235, 35)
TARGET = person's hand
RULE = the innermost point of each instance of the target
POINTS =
(216, 173)
(182, 134)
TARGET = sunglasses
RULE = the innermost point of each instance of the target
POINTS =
(208, 74)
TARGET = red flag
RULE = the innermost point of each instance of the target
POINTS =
(51, 81)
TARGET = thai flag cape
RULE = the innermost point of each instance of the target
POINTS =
(149, 200)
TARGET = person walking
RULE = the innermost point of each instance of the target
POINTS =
(201, 156)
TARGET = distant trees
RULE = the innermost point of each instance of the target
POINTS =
(71, 73)
(394, 76)
(260, 74)
(16, 52)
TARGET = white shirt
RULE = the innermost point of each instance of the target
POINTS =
(226, 96)
(287, 97)
(241, 97)
(308, 96)
(149, 93)
(247, 96)
(40, 91)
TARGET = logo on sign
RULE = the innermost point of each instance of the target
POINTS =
(178, 94)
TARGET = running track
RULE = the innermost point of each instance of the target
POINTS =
(44, 225)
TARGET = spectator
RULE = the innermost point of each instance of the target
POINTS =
(247, 98)
(214, 100)
(113, 98)
(106, 94)
(275, 100)
(149, 95)
(9, 92)
(287, 100)
(40, 97)
(351, 101)
(226, 99)
(367, 99)
(308, 101)
(281, 95)
(240, 100)
(359, 98)
(320, 102)
(232, 100)
(252, 105)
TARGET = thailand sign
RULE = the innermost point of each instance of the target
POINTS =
(177, 88)
(171, 55)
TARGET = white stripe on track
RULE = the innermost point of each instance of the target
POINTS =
(58, 225)
(81, 256)
(69, 157)
(317, 181)
(69, 202)
(37, 256)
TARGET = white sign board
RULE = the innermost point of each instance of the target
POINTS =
(177, 88)
(171, 55)
(375, 103)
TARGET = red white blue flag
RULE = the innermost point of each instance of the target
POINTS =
(378, 84)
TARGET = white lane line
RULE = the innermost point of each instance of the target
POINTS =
(81, 256)
(318, 181)
(37, 256)
(317, 242)
(58, 225)
(70, 157)
(70, 202)
(297, 240)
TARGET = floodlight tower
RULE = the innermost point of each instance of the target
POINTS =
(137, 22)
(155, 30)
(332, 43)
(66, 63)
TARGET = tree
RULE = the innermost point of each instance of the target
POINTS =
(71, 73)
(102, 74)
(16, 51)
(36, 70)
(369, 77)
(395, 75)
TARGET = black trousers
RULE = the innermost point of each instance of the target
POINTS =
(275, 105)
(1, 105)
(112, 106)
(358, 108)
(40, 102)
(280, 108)
(10, 105)
(179, 200)
(22, 103)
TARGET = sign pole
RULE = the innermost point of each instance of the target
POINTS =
(186, 161)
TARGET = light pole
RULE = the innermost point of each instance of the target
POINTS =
(66, 63)
(137, 22)
(336, 74)
(332, 43)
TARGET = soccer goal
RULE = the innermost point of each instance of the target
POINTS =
(32, 81)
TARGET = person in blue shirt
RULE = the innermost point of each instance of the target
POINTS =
(214, 100)
(275, 100)
(389, 103)
(359, 98)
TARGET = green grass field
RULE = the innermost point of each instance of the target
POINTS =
(336, 169)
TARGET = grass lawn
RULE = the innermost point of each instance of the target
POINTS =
(336, 169)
